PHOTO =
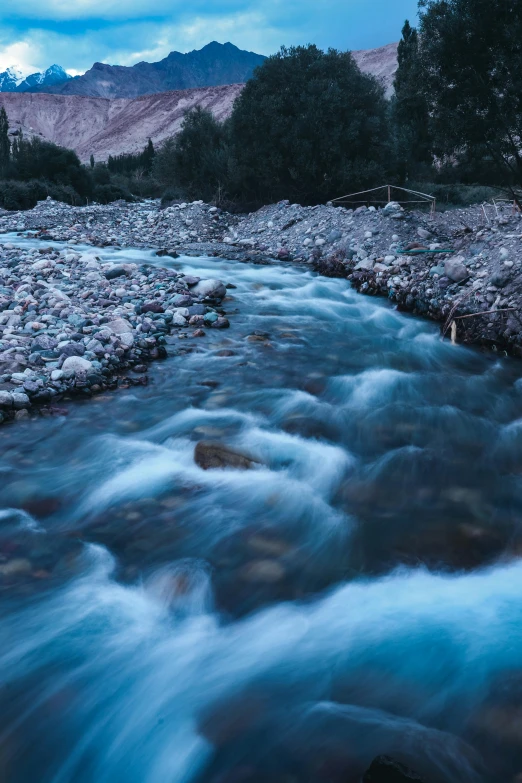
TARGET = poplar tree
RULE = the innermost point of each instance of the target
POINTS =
(5, 144)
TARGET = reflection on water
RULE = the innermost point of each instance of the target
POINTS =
(357, 592)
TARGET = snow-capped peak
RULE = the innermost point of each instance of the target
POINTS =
(14, 80)
(16, 74)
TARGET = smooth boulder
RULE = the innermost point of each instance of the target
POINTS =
(211, 288)
(210, 455)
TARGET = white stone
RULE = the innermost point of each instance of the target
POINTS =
(389, 259)
(214, 288)
(178, 319)
(77, 364)
(127, 339)
(366, 263)
(57, 375)
(119, 326)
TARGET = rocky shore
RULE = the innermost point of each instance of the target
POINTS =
(70, 324)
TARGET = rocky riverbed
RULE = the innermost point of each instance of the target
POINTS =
(70, 324)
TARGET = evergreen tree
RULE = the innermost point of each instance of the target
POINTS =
(147, 157)
(92, 162)
(409, 108)
(5, 144)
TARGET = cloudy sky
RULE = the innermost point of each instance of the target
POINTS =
(75, 33)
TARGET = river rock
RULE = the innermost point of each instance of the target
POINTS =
(120, 326)
(211, 288)
(500, 278)
(455, 270)
(210, 455)
(20, 401)
(385, 770)
(77, 364)
(6, 399)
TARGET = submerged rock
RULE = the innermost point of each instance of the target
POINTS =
(385, 770)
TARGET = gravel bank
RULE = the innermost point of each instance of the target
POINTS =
(73, 325)
(70, 324)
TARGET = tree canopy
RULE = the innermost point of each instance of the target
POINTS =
(472, 79)
(309, 125)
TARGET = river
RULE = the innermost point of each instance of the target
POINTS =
(358, 592)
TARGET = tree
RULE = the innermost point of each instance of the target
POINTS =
(310, 126)
(147, 157)
(198, 158)
(410, 109)
(472, 78)
(92, 162)
(5, 144)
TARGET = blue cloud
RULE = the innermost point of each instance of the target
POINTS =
(76, 33)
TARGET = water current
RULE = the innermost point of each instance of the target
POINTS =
(358, 592)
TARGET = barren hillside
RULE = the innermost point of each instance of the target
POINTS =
(381, 63)
(104, 127)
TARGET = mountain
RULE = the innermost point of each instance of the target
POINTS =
(216, 64)
(104, 127)
(13, 80)
(53, 75)
(10, 80)
(381, 62)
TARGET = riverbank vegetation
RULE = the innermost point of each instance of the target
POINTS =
(309, 126)
(32, 170)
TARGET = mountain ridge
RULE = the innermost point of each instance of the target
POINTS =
(212, 66)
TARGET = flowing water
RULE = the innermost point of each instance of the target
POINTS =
(358, 592)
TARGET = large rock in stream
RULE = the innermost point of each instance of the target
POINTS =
(215, 455)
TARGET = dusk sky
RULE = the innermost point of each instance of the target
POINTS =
(75, 33)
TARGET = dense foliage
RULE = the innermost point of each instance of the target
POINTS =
(199, 159)
(409, 109)
(307, 126)
(32, 170)
(471, 80)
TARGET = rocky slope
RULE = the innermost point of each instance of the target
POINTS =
(105, 127)
(215, 64)
(381, 62)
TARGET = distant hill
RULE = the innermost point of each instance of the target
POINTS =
(12, 80)
(104, 127)
(381, 62)
(214, 65)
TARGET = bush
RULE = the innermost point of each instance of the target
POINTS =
(105, 194)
